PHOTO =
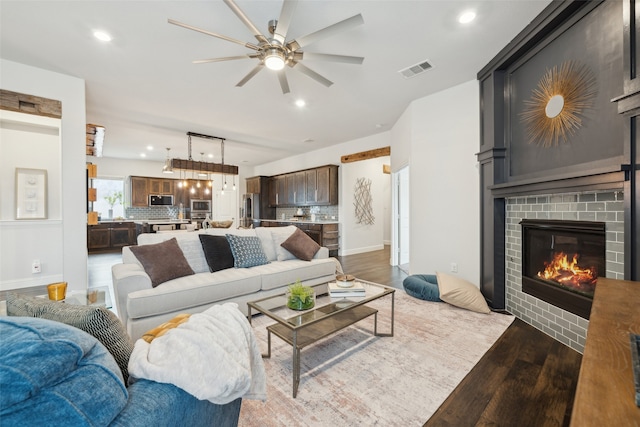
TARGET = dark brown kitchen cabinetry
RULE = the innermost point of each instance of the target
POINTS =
(296, 190)
(311, 187)
(260, 185)
(160, 186)
(110, 236)
(139, 191)
(322, 186)
(277, 191)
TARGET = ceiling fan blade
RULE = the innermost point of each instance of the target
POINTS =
(225, 58)
(315, 76)
(333, 58)
(284, 84)
(240, 14)
(336, 28)
(209, 33)
(288, 7)
(249, 76)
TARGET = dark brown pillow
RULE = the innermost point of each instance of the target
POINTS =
(162, 261)
(217, 252)
(301, 245)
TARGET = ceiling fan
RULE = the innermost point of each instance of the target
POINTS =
(274, 52)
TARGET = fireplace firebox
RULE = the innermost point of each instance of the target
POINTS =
(561, 261)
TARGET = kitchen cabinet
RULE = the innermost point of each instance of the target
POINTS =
(321, 186)
(295, 187)
(108, 236)
(139, 191)
(277, 191)
(260, 185)
(160, 186)
(311, 187)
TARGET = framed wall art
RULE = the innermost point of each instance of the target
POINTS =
(31, 193)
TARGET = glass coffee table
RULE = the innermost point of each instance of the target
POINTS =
(302, 328)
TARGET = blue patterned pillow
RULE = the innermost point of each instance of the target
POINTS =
(247, 251)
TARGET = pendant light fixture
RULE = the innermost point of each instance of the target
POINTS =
(168, 167)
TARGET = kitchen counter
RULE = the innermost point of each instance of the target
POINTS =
(161, 221)
(303, 221)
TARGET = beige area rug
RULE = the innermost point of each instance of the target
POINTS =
(355, 379)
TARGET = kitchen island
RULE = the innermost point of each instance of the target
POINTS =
(324, 232)
(112, 235)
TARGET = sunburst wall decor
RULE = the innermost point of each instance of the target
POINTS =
(556, 107)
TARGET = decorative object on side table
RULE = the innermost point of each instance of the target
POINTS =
(300, 297)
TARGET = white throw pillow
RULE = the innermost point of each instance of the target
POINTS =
(461, 293)
(280, 234)
(264, 234)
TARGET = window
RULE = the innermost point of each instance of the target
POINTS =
(110, 199)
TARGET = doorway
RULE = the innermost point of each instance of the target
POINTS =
(401, 224)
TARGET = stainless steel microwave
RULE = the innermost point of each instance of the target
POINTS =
(200, 206)
(161, 200)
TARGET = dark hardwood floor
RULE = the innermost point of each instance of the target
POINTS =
(526, 379)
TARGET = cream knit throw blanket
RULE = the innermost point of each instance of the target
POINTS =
(212, 356)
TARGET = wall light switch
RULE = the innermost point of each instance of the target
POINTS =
(454, 267)
(35, 267)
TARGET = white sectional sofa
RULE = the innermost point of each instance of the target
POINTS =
(143, 307)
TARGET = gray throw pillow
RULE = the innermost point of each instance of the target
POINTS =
(247, 251)
(103, 324)
(162, 261)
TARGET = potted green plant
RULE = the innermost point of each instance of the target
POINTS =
(112, 199)
(300, 297)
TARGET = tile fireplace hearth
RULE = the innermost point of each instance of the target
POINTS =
(604, 207)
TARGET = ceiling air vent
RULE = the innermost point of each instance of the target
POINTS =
(414, 70)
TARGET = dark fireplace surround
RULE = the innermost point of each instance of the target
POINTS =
(544, 241)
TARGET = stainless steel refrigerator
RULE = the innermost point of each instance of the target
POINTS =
(250, 210)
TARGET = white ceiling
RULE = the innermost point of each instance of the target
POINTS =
(144, 89)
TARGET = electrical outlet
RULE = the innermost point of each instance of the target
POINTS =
(35, 267)
(454, 267)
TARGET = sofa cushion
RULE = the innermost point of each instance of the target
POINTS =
(461, 293)
(217, 252)
(162, 261)
(55, 374)
(301, 246)
(193, 291)
(280, 273)
(247, 251)
(97, 321)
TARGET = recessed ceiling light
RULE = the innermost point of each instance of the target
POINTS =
(308, 140)
(149, 147)
(300, 103)
(210, 156)
(143, 155)
(102, 36)
(467, 17)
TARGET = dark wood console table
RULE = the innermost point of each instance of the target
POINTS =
(605, 395)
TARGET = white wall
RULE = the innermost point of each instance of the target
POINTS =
(444, 181)
(59, 242)
(353, 239)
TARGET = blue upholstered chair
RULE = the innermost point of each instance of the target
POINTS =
(58, 375)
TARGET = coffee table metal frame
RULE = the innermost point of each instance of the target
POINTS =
(308, 327)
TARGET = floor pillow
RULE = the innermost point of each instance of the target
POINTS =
(422, 286)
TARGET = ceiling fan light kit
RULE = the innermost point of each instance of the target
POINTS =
(275, 52)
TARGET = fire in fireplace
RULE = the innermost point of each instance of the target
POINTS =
(561, 262)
